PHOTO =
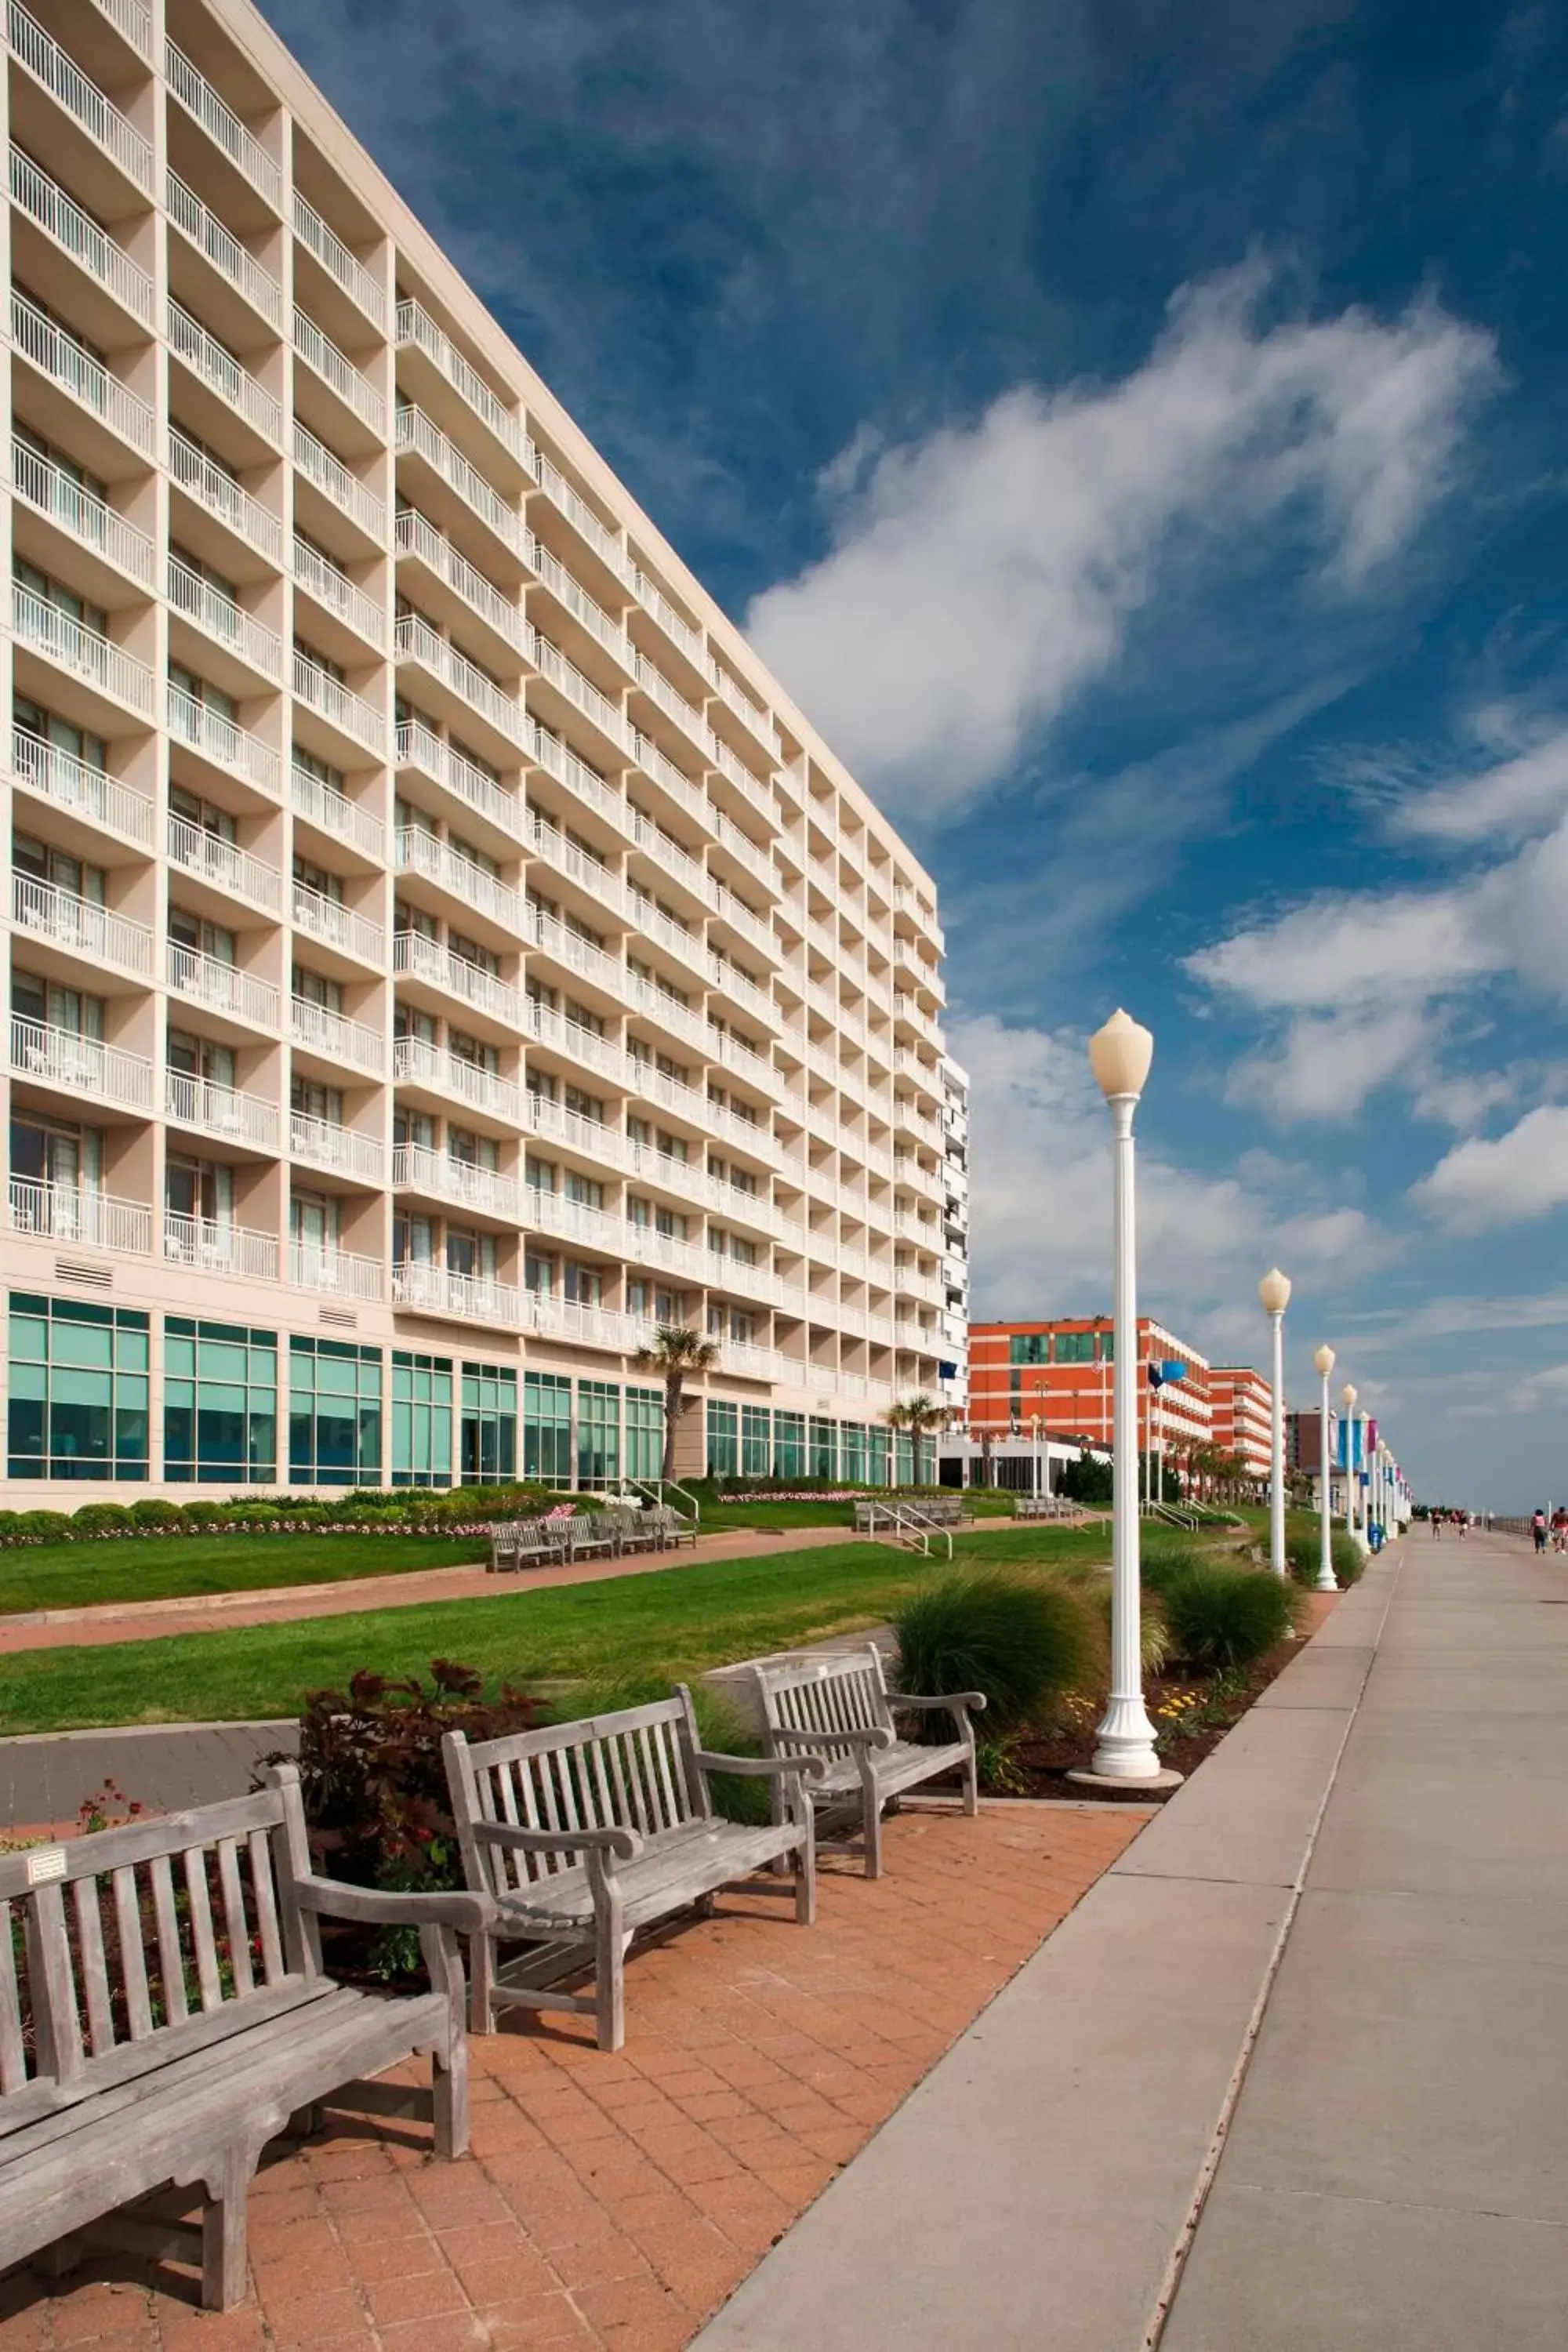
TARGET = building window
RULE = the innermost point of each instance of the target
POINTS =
(547, 1428)
(756, 1441)
(220, 1404)
(421, 1420)
(789, 1444)
(877, 1456)
(598, 1433)
(334, 1413)
(852, 1453)
(78, 1390)
(645, 1432)
(723, 1439)
(1035, 1347)
(903, 1459)
(824, 1449)
(489, 1425)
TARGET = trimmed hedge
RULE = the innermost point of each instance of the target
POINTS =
(464, 1510)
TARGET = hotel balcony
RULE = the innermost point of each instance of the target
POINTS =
(437, 1176)
(429, 962)
(327, 249)
(48, 1056)
(424, 1069)
(340, 1150)
(334, 1039)
(84, 793)
(223, 253)
(343, 491)
(116, 553)
(201, 101)
(475, 793)
(86, 1220)
(337, 927)
(230, 870)
(218, 1248)
(218, 378)
(463, 694)
(442, 576)
(222, 987)
(87, 659)
(347, 713)
(468, 504)
(342, 1274)
(336, 594)
(427, 1290)
(113, 293)
(366, 410)
(345, 822)
(114, 138)
(249, 655)
(80, 929)
(232, 749)
(220, 496)
(108, 418)
(454, 879)
(225, 1113)
(447, 373)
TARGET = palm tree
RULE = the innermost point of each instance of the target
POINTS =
(676, 1352)
(922, 1416)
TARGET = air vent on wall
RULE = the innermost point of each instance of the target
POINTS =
(342, 1318)
(93, 1277)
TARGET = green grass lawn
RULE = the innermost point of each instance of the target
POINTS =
(672, 1624)
(160, 1567)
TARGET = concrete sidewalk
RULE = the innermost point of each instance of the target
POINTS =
(1354, 1915)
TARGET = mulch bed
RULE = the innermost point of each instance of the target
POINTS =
(1191, 1714)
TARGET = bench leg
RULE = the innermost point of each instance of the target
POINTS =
(449, 2096)
(805, 1879)
(609, 1978)
(873, 1818)
(481, 1984)
(971, 1781)
(223, 2236)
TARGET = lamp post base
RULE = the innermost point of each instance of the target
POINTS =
(1326, 1583)
(1159, 1783)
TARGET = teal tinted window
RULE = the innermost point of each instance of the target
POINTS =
(1030, 1347)
(852, 1453)
(789, 1445)
(547, 1428)
(79, 1390)
(645, 1432)
(489, 1434)
(824, 1449)
(903, 1458)
(220, 1404)
(723, 1439)
(756, 1440)
(598, 1433)
(334, 1413)
(878, 1456)
(421, 1420)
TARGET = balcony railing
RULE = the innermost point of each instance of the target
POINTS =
(663, 771)
(418, 536)
(356, 391)
(224, 863)
(596, 1138)
(63, 219)
(341, 1272)
(221, 741)
(735, 698)
(569, 680)
(342, 1149)
(665, 851)
(331, 1034)
(422, 853)
(589, 787)
(222, 987)
(61, 1058)
(334, 481)
(221, 495)
(323, 692)
(578, 954)
(580, 604)
(72, 784)
(225, 251)
(414, 325)
(52, 491)
(337, 925)
(570, 1038)
(337, 592)
(653, 600)
(415, 432)
(580, 515)
(590, 873)
(218, 616)
(222, 125)
(686, 945)
(742, 988)
(661, 1005)
(214, 1247)
(133, 21)
(418, 748)
(415, 1061)
(428, 959)
(443, 1178)
(61, 1213)
(336, 815)
(57, 355)
(430, 1289)
(80, 926)
(415, 640)
(82, 651)
(658, 689)
(338, 262)
(234, 384)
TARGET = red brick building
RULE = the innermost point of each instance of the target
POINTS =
(1057, 1372)
(1243, 1405)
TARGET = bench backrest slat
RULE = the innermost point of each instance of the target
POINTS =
(826, 1695)
(13, 2051)
(93, 1965)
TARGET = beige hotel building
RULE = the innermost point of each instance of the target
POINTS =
(439, 952)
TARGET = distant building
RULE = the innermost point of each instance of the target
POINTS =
(1057, 1373)
(1243, 1406)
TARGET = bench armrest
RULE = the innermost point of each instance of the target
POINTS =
(876, 1735)
(625, 1845)
(812, 1767)
(471, 1913)
(973, 1699)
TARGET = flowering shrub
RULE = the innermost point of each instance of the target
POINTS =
(462, 1511)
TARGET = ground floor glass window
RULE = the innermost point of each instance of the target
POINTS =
(334, 1413)
(789, 1444)
(756, 1440)
(723, 1439)
(489, 1425)
(220, 1404)
(421, 1420)
(645, 1432)
(824, 1449)
(79, 1390)
(547, 1428)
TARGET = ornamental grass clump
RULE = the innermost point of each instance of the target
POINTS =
(1303, 1551)
(1220, 1617)
(1023, 1639)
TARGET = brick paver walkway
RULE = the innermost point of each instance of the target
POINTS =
(615, 2202)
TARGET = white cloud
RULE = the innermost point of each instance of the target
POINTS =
(1326, 1066)
(981, 577)
(1522, 1174)
(1506, 802)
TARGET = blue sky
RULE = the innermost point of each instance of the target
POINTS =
(1139, 436)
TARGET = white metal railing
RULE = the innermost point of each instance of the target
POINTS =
(218, 616)
(425, 958)
(595, 1138)
(742, 988)
(657, 1167)
(65, 81)
(588, 1327)
(734, 697)
(740, 775)
(419, 852)
(415, 640)
(343, 1273)
(417, 432)
(678, 940)
(737, 1055)
(64, 1212)
(585, 1046)
(216, 1247)
(325, 1144)
(459, 1181)
(85, 652)
(580, 515)
(355, 389)
(415, 1061)
(61, 496)
(334, 1035)
(223, 987)
(654, 1085)
(134, 21)
(342, 818)
(206, 357)
(653, 600)
(664, 772)
(225, 251)
(220, 740)
(71, 783)
(658, 688)
(338, 262)
(323, 692)
(742, 848)
(743, 918)
(417, 535)
(418, 748)
(337, 592)
(61, 1058)
(57, 355)
(580, 865)
(569, 680)
(80, 925)
(217, 490)
(578, 954)
(222, 125)
(668, 852)
(441, 1290)
(200, 851)
(414, 325)
(580, 604)
(337, 925)
(333, 479)
(554, 1212)
(63, 219)
(579, 779)
(662, 1005)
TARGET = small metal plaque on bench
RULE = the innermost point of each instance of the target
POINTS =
(48, 1863)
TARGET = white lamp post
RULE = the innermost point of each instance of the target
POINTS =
(1274, 1290)
(1324, 1362)
(1120, 1056)
(1347, 1398)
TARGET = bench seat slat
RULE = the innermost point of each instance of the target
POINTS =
(677, 1866)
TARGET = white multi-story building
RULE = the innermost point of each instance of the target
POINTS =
(954, 1368)
(439, 952)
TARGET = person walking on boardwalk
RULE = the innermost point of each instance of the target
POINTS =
(1538, 1530)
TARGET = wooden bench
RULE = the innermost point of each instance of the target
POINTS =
(585, 1534)
(634, 1529)
(870, 1510)
(584, 1832)
(841, 1710)
(1046, 1507)
(526, 1543)
(165, 2012)
(673, 1530)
